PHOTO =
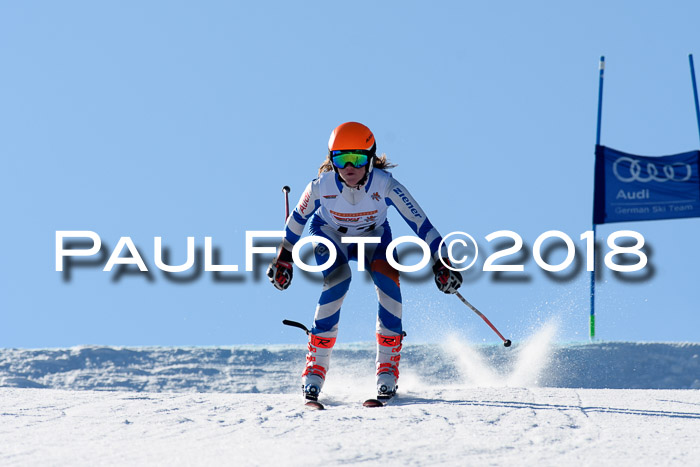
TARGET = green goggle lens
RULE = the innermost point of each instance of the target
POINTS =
(355, 159)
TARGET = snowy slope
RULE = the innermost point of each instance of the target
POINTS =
(533, 404)
(457, 426)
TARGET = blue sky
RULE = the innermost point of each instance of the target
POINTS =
(176, 119)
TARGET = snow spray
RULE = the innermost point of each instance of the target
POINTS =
(521, 369)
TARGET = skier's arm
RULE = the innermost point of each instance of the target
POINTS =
(280, 271)
(397, 195)
(308, 203)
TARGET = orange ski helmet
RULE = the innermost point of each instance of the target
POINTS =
(352, 136)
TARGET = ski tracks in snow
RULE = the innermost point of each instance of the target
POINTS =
(450, 426)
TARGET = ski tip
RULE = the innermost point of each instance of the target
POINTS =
(507, 343)
(372, 403)
(314, 405)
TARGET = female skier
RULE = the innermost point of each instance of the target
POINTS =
(350, 198)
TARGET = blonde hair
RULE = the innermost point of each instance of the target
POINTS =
(380, 162)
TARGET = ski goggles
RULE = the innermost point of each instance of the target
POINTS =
(357, 159)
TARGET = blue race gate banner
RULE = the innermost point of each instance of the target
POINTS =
(640, 188)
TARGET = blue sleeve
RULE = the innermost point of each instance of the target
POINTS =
(399, 197)
(308, 203)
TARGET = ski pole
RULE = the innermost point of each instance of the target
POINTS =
(289, 322)
(286, 190)
(506, 342)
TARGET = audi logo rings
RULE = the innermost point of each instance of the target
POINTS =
(668, 172)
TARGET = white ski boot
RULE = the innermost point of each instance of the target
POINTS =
(317, 364)
(388, 357)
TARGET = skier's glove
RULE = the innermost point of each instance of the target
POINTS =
(280, 271)
(280, 274)
(447, 280)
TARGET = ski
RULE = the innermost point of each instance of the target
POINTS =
(380, 401)
(372, 403)
(314, 405)
(311, 402)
